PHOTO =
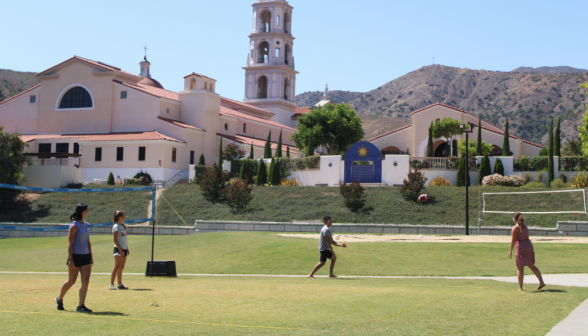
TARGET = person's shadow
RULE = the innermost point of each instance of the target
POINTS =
(109, 314)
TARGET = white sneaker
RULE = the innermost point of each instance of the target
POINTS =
(112, 287)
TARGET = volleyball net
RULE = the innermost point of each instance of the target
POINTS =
(48, 209)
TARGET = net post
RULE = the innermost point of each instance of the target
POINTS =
(153, 213)
(479, 211)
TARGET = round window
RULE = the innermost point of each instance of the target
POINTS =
(226, 127)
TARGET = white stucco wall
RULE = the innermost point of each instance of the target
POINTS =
(51, 176)
(395, 175)
(89, 174)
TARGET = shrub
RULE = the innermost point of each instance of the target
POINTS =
(534, 185)
(73, 185)
(573, 163)
(233, 152)
(539, 177)
(522, 164)
(292, 182)
(110, 180)
(199, 172)
(504, 181)
(353, 195)
(276, 175)
(238, 194)
(213, 183)
(527, 177)
(411, 188)
(146, 175)
(563, 177)
(201, 161)
(261, 174)
(538, 163)
(440, 182)
(133, 181)
(580, 180)
(558, 184)
(498, 167)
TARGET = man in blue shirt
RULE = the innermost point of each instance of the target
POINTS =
(325, 247)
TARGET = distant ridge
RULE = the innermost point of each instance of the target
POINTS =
(549, 70)
(15, 82)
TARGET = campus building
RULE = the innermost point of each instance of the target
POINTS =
(415, 136)
(122, 122)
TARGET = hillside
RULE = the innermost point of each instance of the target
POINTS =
(549, 70)
(14, 82)
(528, 100)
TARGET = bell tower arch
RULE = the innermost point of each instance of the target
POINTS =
(270, 73)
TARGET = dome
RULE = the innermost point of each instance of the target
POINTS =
(151, 82)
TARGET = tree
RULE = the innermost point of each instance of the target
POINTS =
(472, 144)
(584, 127)
(407, 151)
(335, 128)
(267, 152)
(279, 149)
(411, 188)
(353, 195)
(557, 139)
(461, 173)
(244, 173)
(310, 146)
(446, 128)
(544, 151)
(261, 173)
(238, 194)
(220, 154)
(110, 180)
(572, 148)
(454, 147)
(201, 161)
(288, 151)
(213, 183)
(484, 169)
(430, 152)
(506, 142)
(233, 152)
(498, 167)
(479, 151)
(550, 167)
(251, 154)
(12, 161)
(276, 176)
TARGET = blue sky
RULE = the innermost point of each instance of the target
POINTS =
(352, 45)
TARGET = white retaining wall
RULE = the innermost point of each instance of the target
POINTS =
(89, 174)
(51, 176)
(132, 229)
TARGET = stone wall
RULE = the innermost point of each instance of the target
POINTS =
(132, 229)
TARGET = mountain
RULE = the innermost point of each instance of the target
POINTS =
(527, 100)
(14, 82)
(549, 70)
(311, 98)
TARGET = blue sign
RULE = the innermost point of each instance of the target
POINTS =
(366, 173)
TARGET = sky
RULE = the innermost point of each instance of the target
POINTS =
(351, 45)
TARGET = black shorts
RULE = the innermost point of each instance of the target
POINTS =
(326, 255)
(116, 251)
(81, 260)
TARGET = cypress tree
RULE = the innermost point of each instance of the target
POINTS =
(251, 156)
(484, 170)
(407, 151)
(276, 175)
(201, 160)
(558, 138)
(261, 173)
(550, 168)
(461, 173)
(455, 153)
(267, 153)
(110, 180)
(270, 171)
(498, 167)
(447, 149)
(244, 173)
(310, 149)
(506, 142)
(288, 151)
(430, 152)
(279, 149)
(479, 144)
(220, 153)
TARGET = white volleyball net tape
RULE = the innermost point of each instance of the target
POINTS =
(536, 202)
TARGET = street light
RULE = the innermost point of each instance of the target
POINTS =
(467, 175)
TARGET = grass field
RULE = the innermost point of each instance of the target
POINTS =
(264, 253)
(283, 306)
(385, 205)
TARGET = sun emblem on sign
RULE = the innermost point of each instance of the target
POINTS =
(363, 152)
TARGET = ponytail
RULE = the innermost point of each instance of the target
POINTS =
(518, 217)
(77, 216)
(116, 216)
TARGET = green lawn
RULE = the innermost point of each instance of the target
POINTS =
(57, 207)
(283, 306)
(265, 253)
(385, 205)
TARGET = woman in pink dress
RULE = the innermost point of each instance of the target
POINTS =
(525, 254)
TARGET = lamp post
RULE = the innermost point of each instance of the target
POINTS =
(467, 175)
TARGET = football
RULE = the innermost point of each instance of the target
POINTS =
(423, 198)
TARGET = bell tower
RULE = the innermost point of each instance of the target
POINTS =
(270, 75)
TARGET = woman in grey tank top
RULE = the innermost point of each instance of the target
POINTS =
(79, 258)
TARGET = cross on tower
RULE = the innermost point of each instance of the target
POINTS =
(145, 50)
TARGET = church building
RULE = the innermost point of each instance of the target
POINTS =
(122, 122)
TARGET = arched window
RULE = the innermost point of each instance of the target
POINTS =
(244, 128)
(266, 21)
(286, 88)
(76, 97)
(278, 21)
(287, 54)
(262, 87)
(287, 23)
(193, 83)
(226, 127)
(263, 53)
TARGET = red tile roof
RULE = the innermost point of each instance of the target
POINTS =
(150, 90)
(115, 136)
(20, 94)
(198, 75)
(240, 115)
(394, 131)
(179, 123)
(240, 104)
(300, 111)
(242, 139)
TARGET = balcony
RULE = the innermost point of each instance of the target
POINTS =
(265, 30)
(261, 60)
(262, 95)
(51, 162)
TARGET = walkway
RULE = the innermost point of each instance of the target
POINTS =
(575, 324)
